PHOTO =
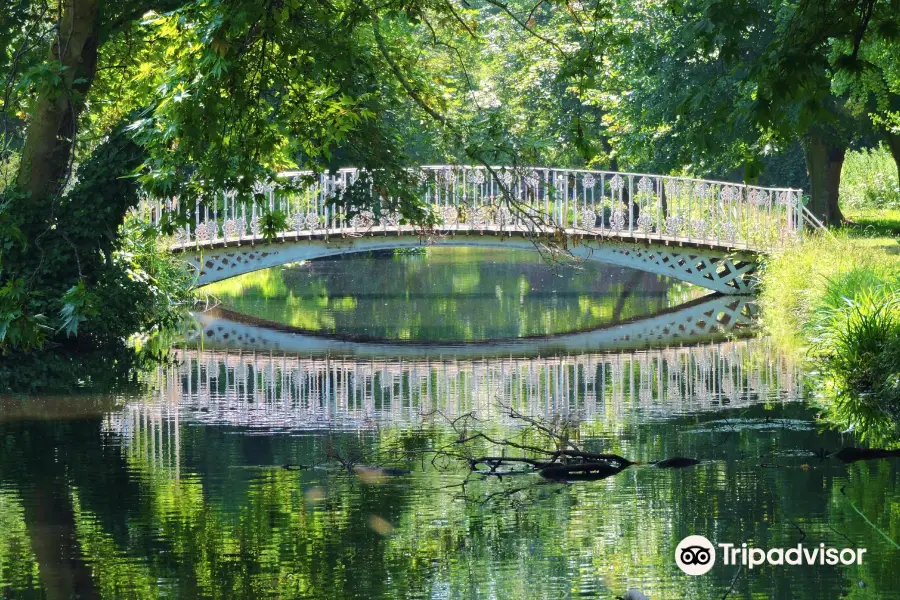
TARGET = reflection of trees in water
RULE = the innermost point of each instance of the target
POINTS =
(450, 294)
(42, 463)
(156, 495)
(212, 524)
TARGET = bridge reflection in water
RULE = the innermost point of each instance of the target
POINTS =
(376, 386)
(696, 321)
(272, 391)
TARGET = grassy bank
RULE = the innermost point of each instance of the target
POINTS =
(835, 299)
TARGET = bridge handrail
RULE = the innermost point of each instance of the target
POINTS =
(463, 197)
(294, 172)
(812, 220)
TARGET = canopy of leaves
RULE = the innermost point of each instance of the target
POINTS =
(220, 94)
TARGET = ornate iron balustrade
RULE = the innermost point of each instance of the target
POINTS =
(538, 200)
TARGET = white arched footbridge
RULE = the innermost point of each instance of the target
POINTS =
(707, 233)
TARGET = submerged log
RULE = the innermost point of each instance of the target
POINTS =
(849, 455)
(554, 460)
(590, 471)
(676, 462)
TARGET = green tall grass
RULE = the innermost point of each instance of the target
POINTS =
(798, 280)
(836, 300)
(858, 342)
(869, 180)
(855, 330)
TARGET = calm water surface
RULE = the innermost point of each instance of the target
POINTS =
(449, 294)
(191, 485)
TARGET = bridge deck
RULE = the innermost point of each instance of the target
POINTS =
(575, 235)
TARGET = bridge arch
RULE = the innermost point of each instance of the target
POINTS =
(720, 270)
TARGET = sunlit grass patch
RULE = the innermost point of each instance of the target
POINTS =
(794, 282)
(836, 300)
(872, 223)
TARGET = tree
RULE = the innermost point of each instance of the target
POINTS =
(716, 83)
(215, 95)
(872, 81)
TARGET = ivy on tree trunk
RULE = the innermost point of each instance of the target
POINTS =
(51, 133)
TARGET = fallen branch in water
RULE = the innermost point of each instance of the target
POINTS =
(849, 455)
(592, 471)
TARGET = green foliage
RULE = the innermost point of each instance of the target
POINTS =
(838, 299)
(245, 91)
(855, 332)
(78, 305)
(84, 280)
(869, 180)
(18, 329)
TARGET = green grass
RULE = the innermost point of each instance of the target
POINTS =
(873, 223)
(795, 281)
(835, 299)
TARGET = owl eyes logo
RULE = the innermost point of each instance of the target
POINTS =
(695, 555)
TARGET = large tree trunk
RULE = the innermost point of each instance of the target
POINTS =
(824, 160)
(51, 133)
(893, 142)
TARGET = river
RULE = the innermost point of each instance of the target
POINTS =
(254, 465)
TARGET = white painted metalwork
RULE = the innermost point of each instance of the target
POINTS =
(703, 232)
(722, 271)
(538, 200)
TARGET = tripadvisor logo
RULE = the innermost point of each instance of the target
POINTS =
(696, 555)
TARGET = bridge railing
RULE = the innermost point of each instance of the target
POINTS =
(473, 198)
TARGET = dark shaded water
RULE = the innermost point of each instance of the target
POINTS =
(180, 490)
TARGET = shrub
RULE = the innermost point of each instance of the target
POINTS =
(856, 336)
(869, 179)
